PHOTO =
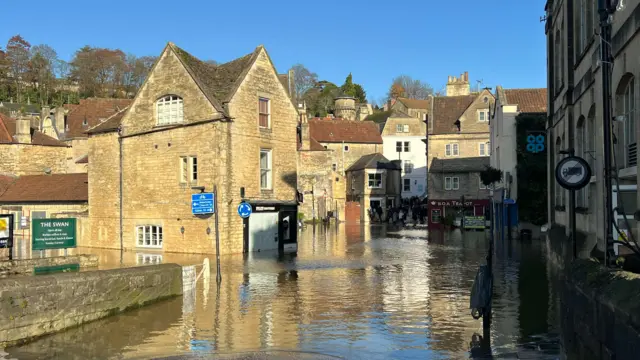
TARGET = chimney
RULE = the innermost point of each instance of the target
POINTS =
(23, 130)
(305, 138)
(458, 87)
(466, 76)
(291, 84)
(46, 111)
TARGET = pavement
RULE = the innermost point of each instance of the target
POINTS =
(262, 355)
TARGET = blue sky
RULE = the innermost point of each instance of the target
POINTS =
(500, 42)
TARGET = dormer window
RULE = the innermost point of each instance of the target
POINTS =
(169, 110)
(85, 122)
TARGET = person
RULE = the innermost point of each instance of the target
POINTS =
(379, 210)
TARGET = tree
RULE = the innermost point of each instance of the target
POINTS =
(406, 86)
(361, 95)
(42, 65)
(320, 98)
(18, 57)
(348, 88)
(303, 80)
(137, 69)
(99, 71)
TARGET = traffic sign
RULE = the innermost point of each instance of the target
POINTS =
(244, 210)
(509, 201)
(202, 204)
(573, 173)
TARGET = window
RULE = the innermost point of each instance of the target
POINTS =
(408, 167)
(398, 146)
(406, 185)
(451, 183)
(628, 108)
(407, 146)
(169, 110)
(483, 115)
(148, 259)
(346, 148)
(486, 99)
(375, 180)
(455, 150)
(265, 169)
(353, 182)
(400, 128)
(85, 122)
(263, 113)
(447, 150)
(482, 149)
(188, 169)
(451, 150)
(334, 166)
(405, 128)
(149, 236)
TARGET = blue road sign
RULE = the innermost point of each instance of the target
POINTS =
(535, 143)
(244, 210)
(509, 201)
(202, 203)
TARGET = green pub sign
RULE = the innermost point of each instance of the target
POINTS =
(53, 233)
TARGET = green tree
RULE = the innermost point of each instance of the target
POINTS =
(348, 88)
(406, 86)
(361, 95)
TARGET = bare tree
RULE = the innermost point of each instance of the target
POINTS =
(406, 86)
(18, 57)
(303, 80)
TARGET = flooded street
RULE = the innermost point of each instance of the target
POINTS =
(351, 292)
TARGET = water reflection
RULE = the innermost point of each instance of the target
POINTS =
(354, 292)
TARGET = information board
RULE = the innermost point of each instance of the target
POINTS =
(53, 233)
(474, 222)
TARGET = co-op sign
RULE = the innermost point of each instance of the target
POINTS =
(451, 203)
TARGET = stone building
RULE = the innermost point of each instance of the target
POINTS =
(374, 182)
(575, 111)
(328, 146)
(24, 150)
(403, 139)
(453, 180)
(191, 127)
(417, 108)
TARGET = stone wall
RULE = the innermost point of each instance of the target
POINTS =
(79, 148)
(355, 152)
(26, 266)
(469, 186)
(314, 172)
(468, 145)
(33, 306)
(600, 312)
(22, 159)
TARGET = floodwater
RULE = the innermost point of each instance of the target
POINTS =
(352, 292)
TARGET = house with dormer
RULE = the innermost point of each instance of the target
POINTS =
(194, 128)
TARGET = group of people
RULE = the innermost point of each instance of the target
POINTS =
(410, 209)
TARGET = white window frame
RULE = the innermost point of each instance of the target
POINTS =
(166, 107)
(260, 99)
(404, 185)
(399, 128)
(455, 182)
(454, 149)
(188, 169)
(447, 183)
(407, 166)
(484, 113)
(377, 184)
(482, 149)
(447, 150)
(268, 171)
(148, 232)
(405, 128)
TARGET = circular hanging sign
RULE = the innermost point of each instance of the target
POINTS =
(573, 173)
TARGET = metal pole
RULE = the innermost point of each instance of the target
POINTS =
(572, 220)
(215, 209)
(313, 204)
(605, 68)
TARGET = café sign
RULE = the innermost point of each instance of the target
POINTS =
(451, 203)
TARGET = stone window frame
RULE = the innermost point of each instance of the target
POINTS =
(262, 98)
(449, 149)
(451, 186)
(151, 230)
(169, 100)
(187, 172)
(268, 170)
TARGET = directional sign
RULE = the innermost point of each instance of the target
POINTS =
(202, 203)
(573, 173)
(244, 210)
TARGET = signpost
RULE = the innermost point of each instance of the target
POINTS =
(202, 204)
(244, 210)
(53, 234)
(573, 173)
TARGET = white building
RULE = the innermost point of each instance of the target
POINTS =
(403, 139)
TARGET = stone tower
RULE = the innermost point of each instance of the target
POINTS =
(345, 107)
(458, 86)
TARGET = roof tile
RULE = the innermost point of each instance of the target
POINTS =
(374, 161)
(8, 131)
(528, 100)
(47, 188)
(459, 165)
(448, 109)
(337, 130)
(94, 111)
(415, 103)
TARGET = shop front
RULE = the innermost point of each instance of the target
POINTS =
(272, 226)
(439, 210)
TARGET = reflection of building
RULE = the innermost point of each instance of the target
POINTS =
(194, 125)
(374, 183)
(451, 180)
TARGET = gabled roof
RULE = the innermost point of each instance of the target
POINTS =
(415, 103)
(337, 130)
(528, 100)
(92, 111)
(459, 165)
(8, 131)
(218, 82)
(47, 188)
(448, 109)
(373, 161)
(110, 124)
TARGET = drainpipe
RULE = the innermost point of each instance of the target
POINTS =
(121, 191)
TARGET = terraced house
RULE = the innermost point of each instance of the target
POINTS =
(194, 126)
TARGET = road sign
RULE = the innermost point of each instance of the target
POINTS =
(202, 204)
(535, 142)
(53, 233)
(244, 210)
(509, 201)
(573, 173)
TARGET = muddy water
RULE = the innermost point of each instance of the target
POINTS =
(351, 292)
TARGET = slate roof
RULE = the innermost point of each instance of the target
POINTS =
(8, 131)
(218, 82)
(459, 165)
(448, 109)
(94, 111)
(47, 188)
(415, 103)
(373, 161)
(528, 100)
(337, 130)
(110, 124)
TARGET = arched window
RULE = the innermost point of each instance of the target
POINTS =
(626, 95)
(169, 110)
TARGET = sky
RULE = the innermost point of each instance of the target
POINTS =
(499, 42)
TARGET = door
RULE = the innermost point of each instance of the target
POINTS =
(263, 231)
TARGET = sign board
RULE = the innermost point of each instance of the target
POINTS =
(451, 203)
(244, 210)
(202, 203)
(509, 201)
(53, 233)
(474, 222)
(535, 142)
(573, 173)
(42, 270)
(6, 230)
